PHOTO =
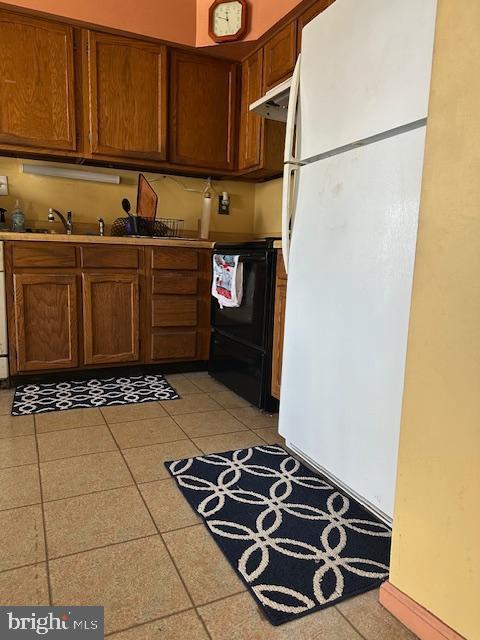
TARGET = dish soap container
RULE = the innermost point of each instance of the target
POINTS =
(18, 218)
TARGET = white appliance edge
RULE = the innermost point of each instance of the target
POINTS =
(353, 239)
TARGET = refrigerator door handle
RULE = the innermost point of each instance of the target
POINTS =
(288, 172)
(289, 155)
(291, 164)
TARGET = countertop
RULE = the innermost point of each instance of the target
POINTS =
(193, 243)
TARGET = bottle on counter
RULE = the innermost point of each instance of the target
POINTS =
(18, 218)
(3, 224)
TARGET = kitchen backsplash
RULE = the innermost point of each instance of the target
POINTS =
(89, 200)
(268, 208)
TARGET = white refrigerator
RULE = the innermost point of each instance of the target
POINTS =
(353, 168)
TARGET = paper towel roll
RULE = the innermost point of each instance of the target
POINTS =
(206, 214)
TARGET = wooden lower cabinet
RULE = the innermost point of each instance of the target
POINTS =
(279, 326)
(80, 306)
(179, 327)
(45, 321)
(111, 317)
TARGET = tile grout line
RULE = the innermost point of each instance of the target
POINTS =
(42, 507)
(141, 624)
(19, 435)
(87, 493)
(163, 541)
(350, 623)
(24, 464)
(21, 506)
(103, 546)
(22, 566)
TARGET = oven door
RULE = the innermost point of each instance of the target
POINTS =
(246, 323)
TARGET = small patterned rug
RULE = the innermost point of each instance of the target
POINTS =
(297, 542)
(97, 392)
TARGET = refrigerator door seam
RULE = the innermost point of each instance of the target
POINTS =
(378, 137)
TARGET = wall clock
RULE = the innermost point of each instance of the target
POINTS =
(227, 20)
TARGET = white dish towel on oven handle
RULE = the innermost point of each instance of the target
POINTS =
(227, 283)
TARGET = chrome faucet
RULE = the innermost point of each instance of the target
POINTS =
(67, 222)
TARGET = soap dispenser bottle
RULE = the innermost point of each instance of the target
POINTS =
(18, 218)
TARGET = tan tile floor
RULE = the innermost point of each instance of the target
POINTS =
(89, 515)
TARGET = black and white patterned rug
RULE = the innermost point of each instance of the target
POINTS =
(96, 392)
(297, 542)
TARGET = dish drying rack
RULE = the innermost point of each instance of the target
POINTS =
(158, 228)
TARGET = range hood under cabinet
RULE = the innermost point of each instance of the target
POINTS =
(274, 104)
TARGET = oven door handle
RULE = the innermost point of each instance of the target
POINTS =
(247, 257)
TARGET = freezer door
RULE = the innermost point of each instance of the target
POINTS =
(348, 301)
(365, 69)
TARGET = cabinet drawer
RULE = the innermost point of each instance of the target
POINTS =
(174, 344)
(174, 258)
(110, 257)
(179, 282)
(174, 311)
(45, 254)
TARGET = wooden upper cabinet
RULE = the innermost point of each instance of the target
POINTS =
(261, 142)
(308, 15)
(46, 323)
(202, 111)
(127, 91)
(251, 125)
(280, 55)
(37, 104)
(111, 317)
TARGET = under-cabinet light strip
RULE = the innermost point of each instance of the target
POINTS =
(72, 174)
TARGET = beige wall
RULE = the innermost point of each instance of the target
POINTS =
(436, 551)
(88, 200)
(268, 208)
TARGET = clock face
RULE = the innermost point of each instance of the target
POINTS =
(227, 19)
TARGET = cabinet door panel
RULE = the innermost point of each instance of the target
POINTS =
(202, 94)
(45, 311)
(251, 125)
(127, 88)
(280, 55)
(110, 317)
(37, 83)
